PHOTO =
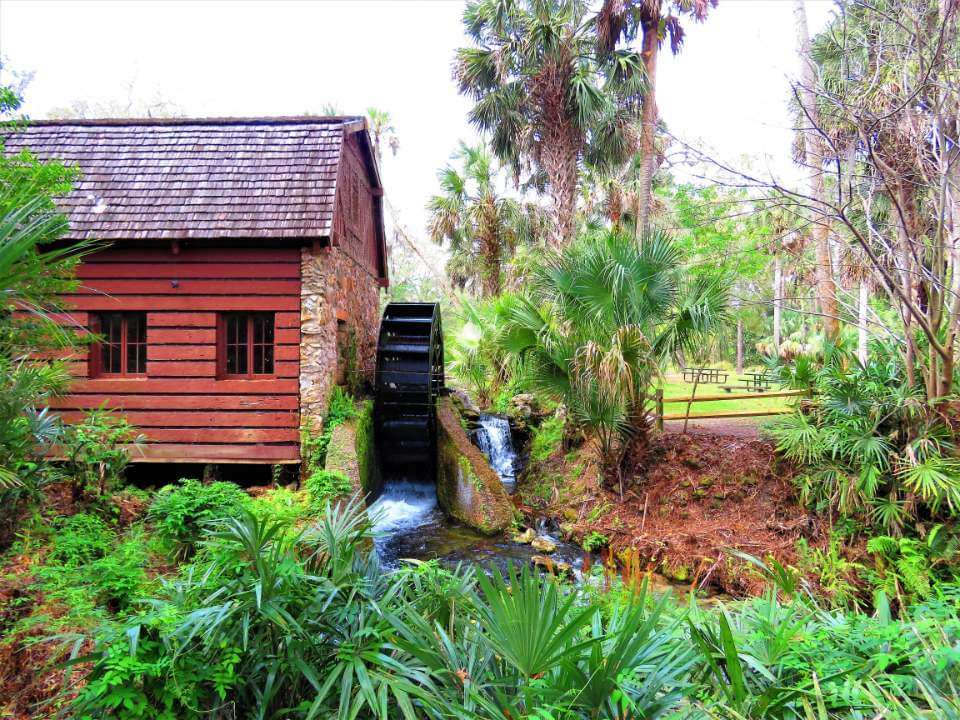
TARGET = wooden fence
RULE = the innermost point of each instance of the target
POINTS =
(660, 401)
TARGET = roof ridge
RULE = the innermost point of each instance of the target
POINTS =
(266, 120)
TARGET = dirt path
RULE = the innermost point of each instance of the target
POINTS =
(746, 428)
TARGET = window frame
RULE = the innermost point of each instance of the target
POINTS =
(95, 360)
(250, 374)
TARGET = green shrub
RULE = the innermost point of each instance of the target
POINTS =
(594, 541)
(80, 539)
(95, 454)
(90, 567)
(281, 505)
(179, 512)
(117, 578)
(326, 485)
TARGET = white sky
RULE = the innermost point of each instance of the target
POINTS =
(727, 88)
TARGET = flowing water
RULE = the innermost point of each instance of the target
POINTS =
(495, 440)
(411, 525)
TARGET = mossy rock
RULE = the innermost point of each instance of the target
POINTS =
(468, 489)
(676, 573)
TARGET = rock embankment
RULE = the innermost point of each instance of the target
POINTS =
(468, 489)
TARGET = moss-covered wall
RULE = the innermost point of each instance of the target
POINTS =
(342, 454)
(468, 489)
(369, 468)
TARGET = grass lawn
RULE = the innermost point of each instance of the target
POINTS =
(674, 387)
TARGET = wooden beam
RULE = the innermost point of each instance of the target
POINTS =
(741, 396)
(732, 414)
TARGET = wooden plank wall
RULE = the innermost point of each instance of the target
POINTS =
(356, 232)
(186, 413)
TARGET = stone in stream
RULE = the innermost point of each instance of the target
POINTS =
(543, 544)
(558, 569)
(526, 537)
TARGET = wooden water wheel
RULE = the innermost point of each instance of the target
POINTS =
(409, 380)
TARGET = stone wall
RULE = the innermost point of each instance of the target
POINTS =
(336, 292)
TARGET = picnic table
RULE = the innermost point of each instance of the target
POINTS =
(707, 375)
(757, 382)
(752, 382)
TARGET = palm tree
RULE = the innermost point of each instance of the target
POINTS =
(597, 321)
(479, 226)
(382, 129)
(653, 20)
(548, 101)
(814, 153)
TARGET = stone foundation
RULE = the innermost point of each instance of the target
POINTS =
(338, 299)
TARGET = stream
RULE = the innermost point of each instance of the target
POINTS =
(410, 525)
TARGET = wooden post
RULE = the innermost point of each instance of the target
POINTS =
(658, 398)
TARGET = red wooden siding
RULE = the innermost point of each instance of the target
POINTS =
(185, 412)
(355, 219)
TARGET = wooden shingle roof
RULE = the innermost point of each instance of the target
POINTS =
(196, 178)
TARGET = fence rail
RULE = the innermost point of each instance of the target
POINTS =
(660, 401)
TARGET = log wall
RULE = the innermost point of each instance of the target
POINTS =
(186, 413)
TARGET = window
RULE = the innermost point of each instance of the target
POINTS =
(122, 349)
(245, 344)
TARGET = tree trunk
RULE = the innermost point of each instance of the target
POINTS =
(736, 308)
(739, 346)
(862, 332)
(648, 128)
(813, 159)
(560, 164)
(777, 295)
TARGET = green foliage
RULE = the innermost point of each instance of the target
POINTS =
(480, 225)
(326, 485)
(837, 575)
(280, 624)
(81, 539)
(475, 358)
(33, 275)
(545, 96)
(910, 568)
(180, 512)
(595, 541)
(772, 657)
(90, 568)
(547, 438)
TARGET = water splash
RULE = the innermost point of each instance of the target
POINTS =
(495, 441)
(404, 505)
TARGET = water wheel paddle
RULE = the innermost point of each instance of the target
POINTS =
(409, 379)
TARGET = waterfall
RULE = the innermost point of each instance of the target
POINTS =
(495, 441)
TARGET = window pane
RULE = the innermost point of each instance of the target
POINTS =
(111, 330)
(236, 344)
(136, 343)
(263, 344)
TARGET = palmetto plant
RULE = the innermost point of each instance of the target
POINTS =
(475, 357)
(597, 322)
(545, 96)
(870, 445)
(478, 223)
